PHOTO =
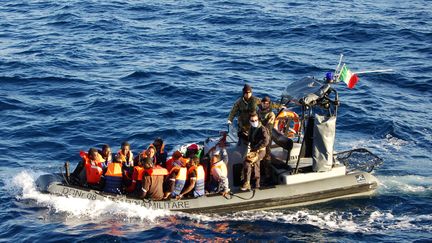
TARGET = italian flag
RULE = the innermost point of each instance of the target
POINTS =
(348, 77)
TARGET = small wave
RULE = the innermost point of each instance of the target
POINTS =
(349, 221)
(10, 104)
(24, 184)
(40, 80)
(405, 184)
(184, 72)
(142, 75)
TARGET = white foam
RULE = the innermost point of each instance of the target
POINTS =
(327, 220)
(405, 184)
(374, 221)
(23, 184)
(389, 143)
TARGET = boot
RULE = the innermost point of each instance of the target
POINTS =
(246, 186)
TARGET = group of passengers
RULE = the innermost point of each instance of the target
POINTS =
(150, 175)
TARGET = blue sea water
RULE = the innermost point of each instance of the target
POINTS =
(77, 74)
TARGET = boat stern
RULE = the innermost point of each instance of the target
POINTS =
(45, 181)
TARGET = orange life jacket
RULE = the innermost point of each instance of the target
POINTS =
(113, 178)
(198, 190)
(157, 170)
(180, 180)
(123, 158)
(114, 169)
(137, 176)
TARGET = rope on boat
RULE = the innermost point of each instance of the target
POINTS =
(234, 195)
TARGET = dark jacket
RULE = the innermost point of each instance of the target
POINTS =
(161, 158)
(259, 138)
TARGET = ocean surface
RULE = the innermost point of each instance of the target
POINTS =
(78, 74)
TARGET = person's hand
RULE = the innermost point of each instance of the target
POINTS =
(225, 194)
(229, 122)
(178, 197)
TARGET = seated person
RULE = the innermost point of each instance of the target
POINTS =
(152, 186)
(193, 151)
(175, 157)
(221, 151)
(195, 183)
(176, 179)
(150, 152)
(161, 156)
(219, 175)
(137, 175)
(113, 177)
(105, 155)
(87, 172)
(93, 168)
(212, 148)
(125, 155)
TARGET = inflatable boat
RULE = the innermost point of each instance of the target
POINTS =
(305, 168)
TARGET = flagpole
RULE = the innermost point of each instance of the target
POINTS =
(337, 67)
(375, 71)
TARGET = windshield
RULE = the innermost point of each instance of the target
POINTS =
(308, 90)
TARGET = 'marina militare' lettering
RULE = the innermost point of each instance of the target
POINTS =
(148, 204)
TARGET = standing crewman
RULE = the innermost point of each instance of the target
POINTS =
(267, 118)
(258, 140)
(242, 108)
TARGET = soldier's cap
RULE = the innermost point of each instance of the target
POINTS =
(247, 88)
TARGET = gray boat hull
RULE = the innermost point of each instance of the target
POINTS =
(279, 196)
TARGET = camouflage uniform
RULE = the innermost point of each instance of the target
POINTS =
(243, 108)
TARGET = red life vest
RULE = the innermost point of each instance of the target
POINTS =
(169, 164)
(93, 169)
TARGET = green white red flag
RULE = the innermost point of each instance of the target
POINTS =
(348, 77)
